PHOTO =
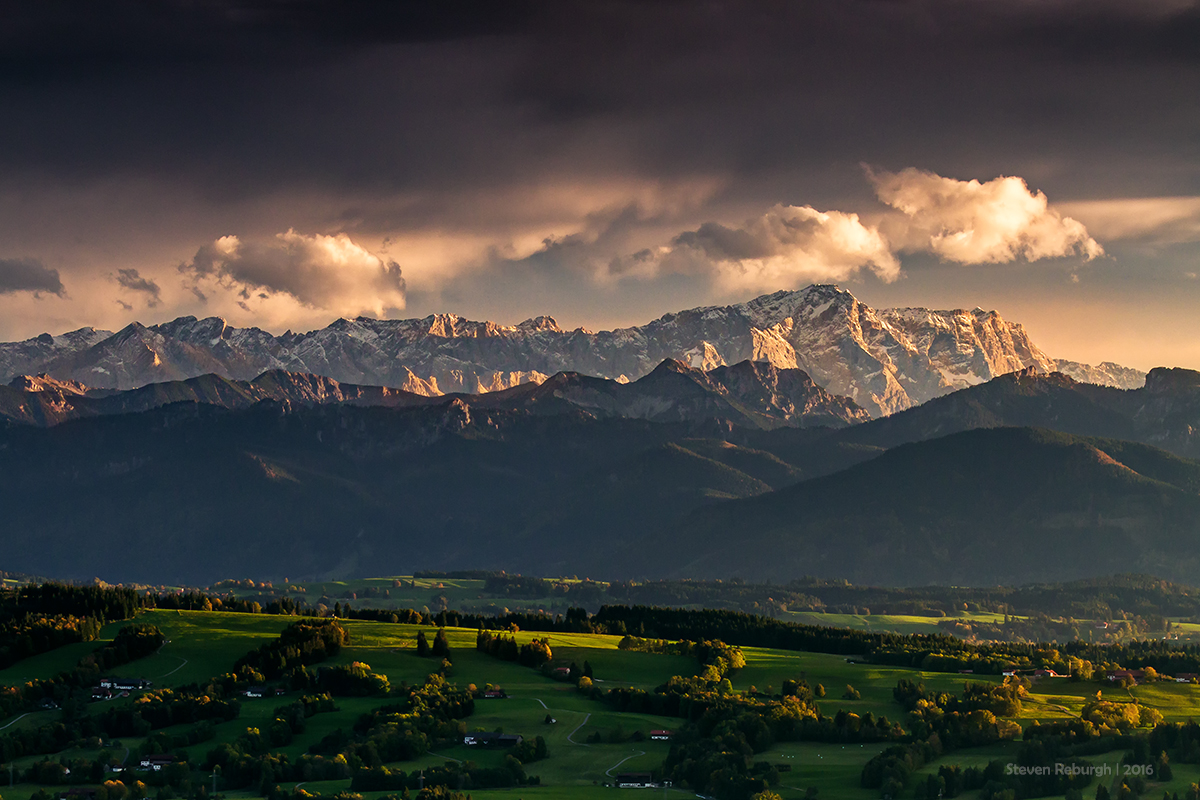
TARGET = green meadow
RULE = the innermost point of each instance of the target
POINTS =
(201, 645)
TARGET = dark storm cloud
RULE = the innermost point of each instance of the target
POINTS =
(369, 97)
(131, 280)
(28, 275)
(63, 36)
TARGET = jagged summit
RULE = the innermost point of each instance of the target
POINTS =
(540, 323)
(670, 366)
(885, 360)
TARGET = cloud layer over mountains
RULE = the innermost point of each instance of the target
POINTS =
(966, 222)
(608, 161)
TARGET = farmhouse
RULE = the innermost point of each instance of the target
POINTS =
(661, 736)
(125, 684)
(636, 780)
(1122, 674)
(1047, 673)
(156, 762)
(1185, 677)
(490, 739)
(494, 694)
(562, 672)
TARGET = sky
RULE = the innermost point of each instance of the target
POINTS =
(283, 164)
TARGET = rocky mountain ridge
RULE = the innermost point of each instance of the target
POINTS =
(885, 360)
(754, 395)
(1104, 374)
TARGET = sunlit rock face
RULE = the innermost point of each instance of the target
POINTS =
(885, 360)
(1103, 374)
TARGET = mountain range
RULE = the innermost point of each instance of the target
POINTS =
(683, 472)
(753, 394)
(801, 433)
(884, 360)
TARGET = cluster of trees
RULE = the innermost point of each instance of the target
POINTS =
(347, 680)
(966, 726)
(166, 707)
(292, 719)
(424, 717)
(720, 764)
(1043, 628)
(465, 776)
(1001, 699)
(1052, 753)
(299, 644)
(440, 647)
(714, 753)
(939, 722)
(131, 643)
(105, 603)
(1109, 717)
(716, 658)
(517, 586)
(435, 792)
(1180, 739)
(27, 635)
(536, 653)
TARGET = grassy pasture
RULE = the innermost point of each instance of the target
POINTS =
(770, 668)
(204, 644)
(200, 644)
(44, 665)
(1049, 699)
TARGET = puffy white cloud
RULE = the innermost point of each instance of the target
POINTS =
(978, 223)
(968, 222)
(786, 246)
(332, 273)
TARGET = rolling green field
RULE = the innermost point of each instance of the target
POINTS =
(201, 645)
(431, 595)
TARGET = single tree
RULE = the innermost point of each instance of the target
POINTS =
(441, 646)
